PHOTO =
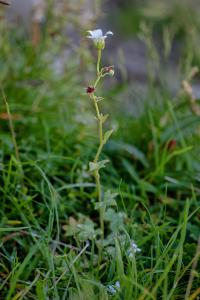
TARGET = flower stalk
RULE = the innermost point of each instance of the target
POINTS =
(96, 159)
(98, 61)
(96, 165)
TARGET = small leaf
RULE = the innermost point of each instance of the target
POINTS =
(108, 201)
(107, 135)
(99, 205)
(97, 166)
(116, 219)
(99, 99)
(104, 204)
(104, 118)
(109, 198)
(86, 231)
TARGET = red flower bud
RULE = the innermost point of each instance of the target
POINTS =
(108, 70)
(90, 89)
(171, 145)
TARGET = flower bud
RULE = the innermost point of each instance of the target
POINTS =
(90, 89)
(108, 71)
(111, 72)
(171, 145)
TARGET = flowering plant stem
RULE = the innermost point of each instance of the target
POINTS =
(99, 42)
(98, 61)
(101, 143)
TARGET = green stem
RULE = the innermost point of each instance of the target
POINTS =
(96, 173)
(97, 81)
(100, 125)
(98, 152)
(96, 107)
(98, 61)
(101, 210)
(101, 144)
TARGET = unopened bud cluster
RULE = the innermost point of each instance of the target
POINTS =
(104, 71)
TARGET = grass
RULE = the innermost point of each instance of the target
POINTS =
(49, 228)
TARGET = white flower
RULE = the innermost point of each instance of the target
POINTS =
(111, 289)
(98, 37)
(114, 288)
(133, 249)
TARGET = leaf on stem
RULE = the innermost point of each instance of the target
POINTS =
(104, 118)
(95, 166)
(109, 200)
(107, 135)
(99, 99)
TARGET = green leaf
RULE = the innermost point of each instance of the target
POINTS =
(109, 198)
(70, 230)
(97, 166)
(108, 201)
(116, 219)
(87, 231)
(104, 118)
(107, 135)
(99, 99)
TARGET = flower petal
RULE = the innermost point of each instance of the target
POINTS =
(109, 32)
(96, 33)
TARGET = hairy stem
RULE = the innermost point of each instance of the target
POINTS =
(96, 159)
(101, 210)
(98, 61)
(96, 172)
